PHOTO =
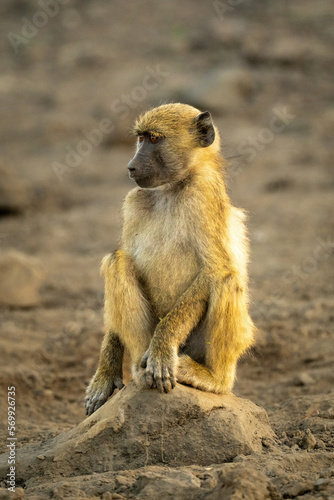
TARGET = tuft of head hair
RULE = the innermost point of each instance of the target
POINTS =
(171, 120)
(166, 120)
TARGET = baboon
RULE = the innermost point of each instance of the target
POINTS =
(176, 291)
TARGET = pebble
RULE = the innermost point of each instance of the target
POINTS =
(308, 441)
(320, 484)
(300, 488)
(303, 379)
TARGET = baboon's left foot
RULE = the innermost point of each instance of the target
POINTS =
(99, 391)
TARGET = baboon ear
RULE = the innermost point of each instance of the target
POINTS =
(205, 129)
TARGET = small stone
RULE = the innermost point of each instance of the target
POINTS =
(268, 443)
(243, 482)
(124, 481)
(14, 194)
(41, 457)
(308, 441)
(300, 488)
(73, 328)
(21, 279)
(48, 393)
(107, 496)
(303, 379)
(320, 484)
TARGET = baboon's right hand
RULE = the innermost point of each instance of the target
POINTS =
(160, 371)
(99, 391)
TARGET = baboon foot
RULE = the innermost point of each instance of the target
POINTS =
(99, 391)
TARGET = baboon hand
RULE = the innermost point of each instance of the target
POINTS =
(99, 391)
(160, 370)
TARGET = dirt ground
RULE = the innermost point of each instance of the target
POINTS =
(70, 90)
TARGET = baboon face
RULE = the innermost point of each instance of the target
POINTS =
(167, 136)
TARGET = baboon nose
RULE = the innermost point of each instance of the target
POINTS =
(131, 168)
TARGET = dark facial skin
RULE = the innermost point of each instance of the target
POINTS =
(157, 163)
(147, 168)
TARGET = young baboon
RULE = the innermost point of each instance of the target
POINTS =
(176, 291)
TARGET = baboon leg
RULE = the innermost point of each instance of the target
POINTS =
(108, 376)
(190, 372)
(128, 322)
(229, 333)
(199, 376)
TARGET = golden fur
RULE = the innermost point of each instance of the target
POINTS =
(181, 272)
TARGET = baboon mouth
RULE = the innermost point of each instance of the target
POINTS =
(143, 182)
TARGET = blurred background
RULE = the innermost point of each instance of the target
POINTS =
(73, 76)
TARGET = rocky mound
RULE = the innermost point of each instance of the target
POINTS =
(227, 482)
(21, 279)
(138, 428)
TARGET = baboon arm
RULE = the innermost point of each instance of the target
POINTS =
(175, 327)
(160, 360)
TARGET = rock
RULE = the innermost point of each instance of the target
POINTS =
(227, 481)
(137, 428)
(21, 279)
(303, 379)
(14, 193)
(180, 484)
(107, 496)
(300, 488)
(308, 441)
(243, 482)
(320, 484)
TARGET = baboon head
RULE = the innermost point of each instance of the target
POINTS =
(168, 137)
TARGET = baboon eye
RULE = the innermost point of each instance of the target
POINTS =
(141, 138)
(154, 138)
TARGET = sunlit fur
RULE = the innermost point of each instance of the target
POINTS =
(182, 266)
